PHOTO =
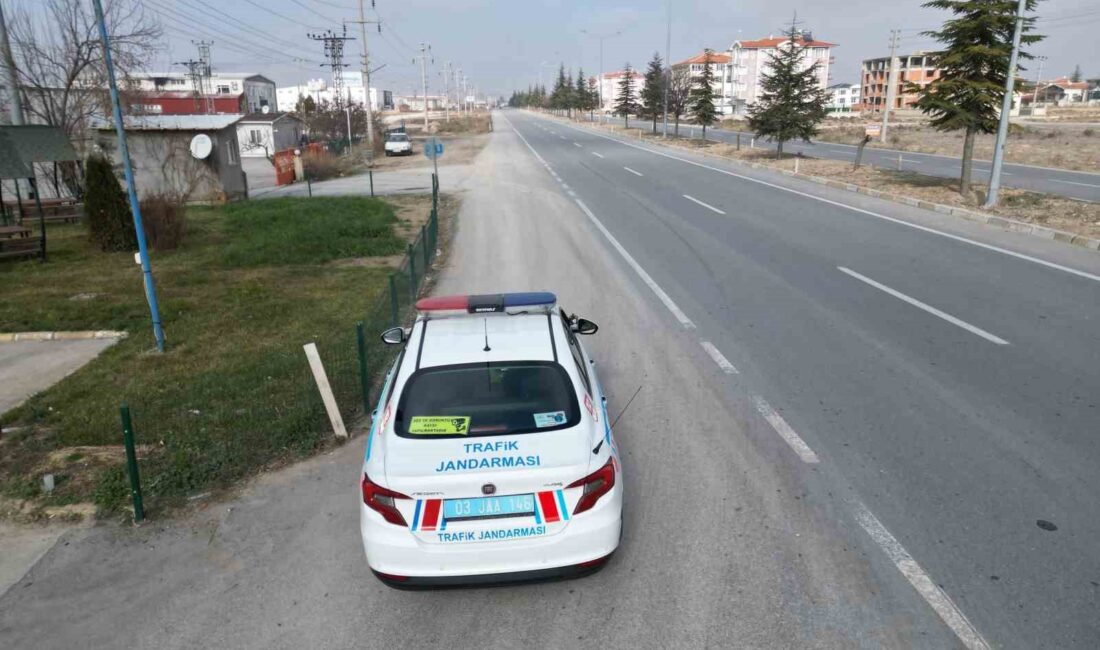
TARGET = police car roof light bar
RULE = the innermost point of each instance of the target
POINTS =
(490, 303)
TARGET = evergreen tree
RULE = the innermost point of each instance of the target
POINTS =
(973, 67)
(792, 103)
(559, 97)
(593, 96)
(582, 97)
(1076, 76)
(625, 104)
(653, 92)
(110, 224)
(701, 99)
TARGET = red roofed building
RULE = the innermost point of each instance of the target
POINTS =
(181, 102)
(739, 70)
(750, 60)
(608, 87)
(1062, 91)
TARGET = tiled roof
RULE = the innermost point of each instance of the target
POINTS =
(715, 57)
(174, 122)
(773, 41)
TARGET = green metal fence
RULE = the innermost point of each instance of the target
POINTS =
(355, 362)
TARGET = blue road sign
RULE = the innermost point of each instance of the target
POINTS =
(433, 147)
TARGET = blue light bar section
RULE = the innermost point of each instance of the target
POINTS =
(529, 298)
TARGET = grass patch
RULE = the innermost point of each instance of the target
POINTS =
(288, 231)
(249, 286)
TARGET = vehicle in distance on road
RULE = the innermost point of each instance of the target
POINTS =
(398, 144)
(490, 458)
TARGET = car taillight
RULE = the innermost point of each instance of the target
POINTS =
(380, 500)
(595, 485)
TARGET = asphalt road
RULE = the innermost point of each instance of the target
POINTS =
(1063, 182)
(834, 468)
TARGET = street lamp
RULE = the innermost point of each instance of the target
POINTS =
(601, 38)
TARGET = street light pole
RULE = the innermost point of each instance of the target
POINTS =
(124, 152)
(668, 61)
(1006, 110)
(601, 38)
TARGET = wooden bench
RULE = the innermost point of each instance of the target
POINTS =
(18, 248)
(11, 232)
(70, 214)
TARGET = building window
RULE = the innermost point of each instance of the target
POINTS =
(223, 89)
(254, 136)
(231, 153)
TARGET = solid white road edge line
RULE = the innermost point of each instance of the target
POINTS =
(656, 288)
(577, 144)
(902, 222)
(921, 581)
(633, 172)
(1056, 180)
(926, 307)
(709, 207)
(719, 358)
(785, 431)
(597, 154)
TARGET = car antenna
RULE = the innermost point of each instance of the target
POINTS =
(626, 407)
(486, 323)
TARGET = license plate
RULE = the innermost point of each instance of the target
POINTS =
(513, 505)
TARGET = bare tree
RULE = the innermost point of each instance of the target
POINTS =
(59, 56)
(679, 90)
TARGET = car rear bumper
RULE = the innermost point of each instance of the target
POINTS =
(399, 559)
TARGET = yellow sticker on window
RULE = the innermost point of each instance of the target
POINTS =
(444, 425)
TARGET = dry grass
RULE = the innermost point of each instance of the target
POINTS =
(457, 150)
(1064, 146)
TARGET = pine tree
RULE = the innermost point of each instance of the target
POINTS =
(582, 99)
(792, 103)
(110, 224)
(701, 101)
(679, 91)
(625, 104)
(653, 92)
(1076, 76)
(973, 67)
(559, 97)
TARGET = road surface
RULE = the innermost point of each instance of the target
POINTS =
(814, 459)
(1083, 186)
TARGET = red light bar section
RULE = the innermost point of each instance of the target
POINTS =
(442, 303)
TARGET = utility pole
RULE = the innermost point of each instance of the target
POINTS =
(334, 53)
(363, 22)
(891, 82)
(194, 72)
(135, 206)
(11, 77)
(466, 94)
(1006, 110)
(668, 61)
(447, 91)
(205, 73)
(425, 54)
(1038, 81)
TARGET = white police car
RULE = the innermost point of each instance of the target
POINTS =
(490, 458)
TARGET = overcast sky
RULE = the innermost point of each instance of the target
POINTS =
(500, 44)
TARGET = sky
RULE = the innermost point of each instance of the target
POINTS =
(503, 45)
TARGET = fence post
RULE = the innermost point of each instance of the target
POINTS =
(309, 186)
(362, 342)
(433, 229)
(131, 464)
(424, 241)
(739, 142)
(412, 272)
(393, 301)
(371, 174)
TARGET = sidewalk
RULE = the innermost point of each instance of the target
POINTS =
(414, 180)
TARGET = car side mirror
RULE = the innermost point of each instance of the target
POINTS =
(394, 336)
(585, 326)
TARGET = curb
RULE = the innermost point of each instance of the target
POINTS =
(1003, 223)
(60, 336)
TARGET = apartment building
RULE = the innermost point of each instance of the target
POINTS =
(258, 90)
(723, 77)
(917, 68)
(608, 87)
(843, 98)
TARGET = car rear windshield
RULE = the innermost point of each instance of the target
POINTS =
(486, 399)
(400, 137)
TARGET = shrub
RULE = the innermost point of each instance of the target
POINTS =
(110, 224)
(164, 221)
(318, 167)
(1089, 133)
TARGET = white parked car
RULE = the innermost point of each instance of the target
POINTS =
(490, 458)
(398, 144)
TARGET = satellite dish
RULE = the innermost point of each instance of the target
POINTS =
(201, 146)
(265, 109)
